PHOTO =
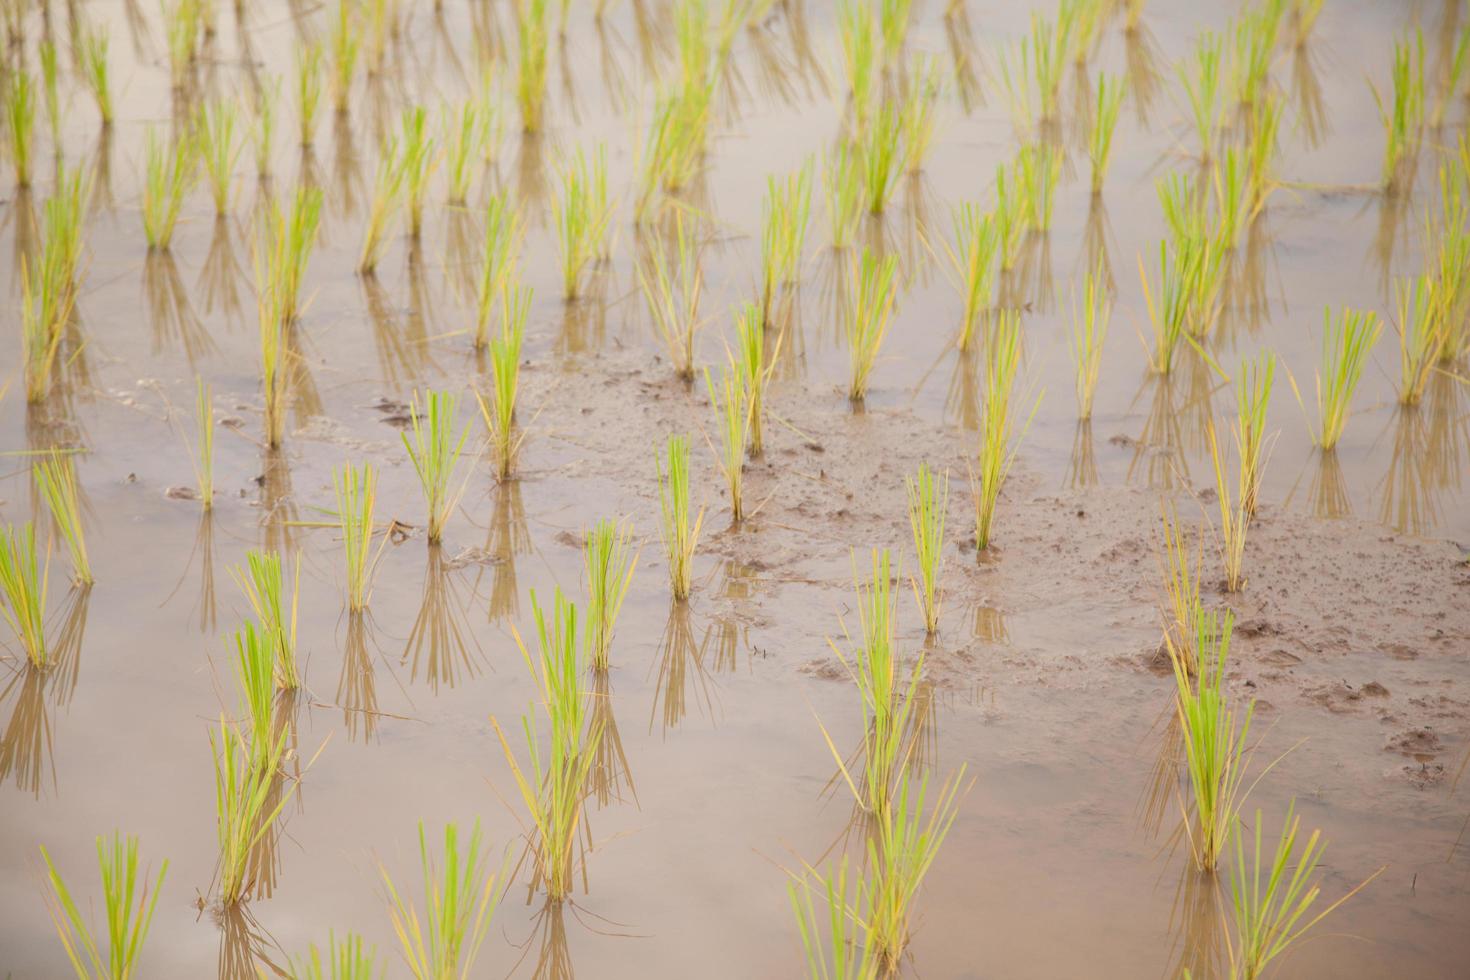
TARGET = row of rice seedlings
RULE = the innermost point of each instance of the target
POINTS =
(1215, 750)
(1201, 81)
(357, 492)
(532, 38)
(1403, 114)
(435, 451)
(466, 136)
(350, 959)
(754, 368)
(785, 212)
(504, 233)
(127, 912)
(247, 801)
(1254, 42)
(20, 121)
(419, 158)
(999, 440)
(201, 451)
(554, 786)
(1089, 332)
(56, 480)
(582, 214)
(887, 695)
(25, 581)
(219, 149)
(672, 285)
(838, 946)
(973, 261)
(1252, 400)
(842, 183)
(462, 890)
(345, 45)
(309, 60)
(1345, 349)
(169, 173)
(874, 293)
(1104, 123)
(733, 410)
(928, 505)
(92, 54)
(1270, 913)
(386, 198)
(679, 524)
(262, 580)
(610, 563)
(505, 373)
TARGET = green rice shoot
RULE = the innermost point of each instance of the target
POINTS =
(24, 581)
(679, 524)
(435, 451)
(56, 481)
(461, 893)
(128, 905)
(928, 505)
(610, 561)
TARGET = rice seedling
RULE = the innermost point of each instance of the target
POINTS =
(672, 286)
(461, 895)
(1190, 276)
(1345, 349)
(262, 580)
(679, 525)
(1270, 914)
(1215, 750)
(350, 959)
(1181, 575)
(1260, 153)
(181, 30)
(1038, 170)
(387, 195)
(1103, 124)
(419, 158)
(1254, 42)
(169, 174)
(20, 120)
(263, 129)
(928, 505)
(893, 26)
(859, 34)
(435, 452)
(357, 492)
(128, 912)
(874, 292)
(1089, 332)
(271, 331)
(255, 659)
(219, 148)
(465, 134)
(1201, 81)
(674, 149)
(246, 803)
(56, 480)
(973, 259)
(1403, 115)
(93, 58)
(49, 285)
(1304, 18)
(733, 411)
(51, 97)
(999, 441)
(1009, 217)
(842, 182)
(201, 452)
(754, 368)
(908, 841)
(554, 787)
(887, 695)
(1234, 520)
(295, 237)
(1252, 399)
(345, 45)
(785, 212)
(879, 146)
(1459, 60)
(844, 950)
(505, 370)
(582, 214)
(1420, 331)
(916, 113)
(532, 39)
(610, 563)
(24, 581)
(309, 58)
(504, 232)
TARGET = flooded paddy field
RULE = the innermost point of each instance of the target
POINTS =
(724, 753)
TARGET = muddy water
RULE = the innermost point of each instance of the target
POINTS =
(1063, 861)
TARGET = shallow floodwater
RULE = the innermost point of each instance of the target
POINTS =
(1064, 860)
